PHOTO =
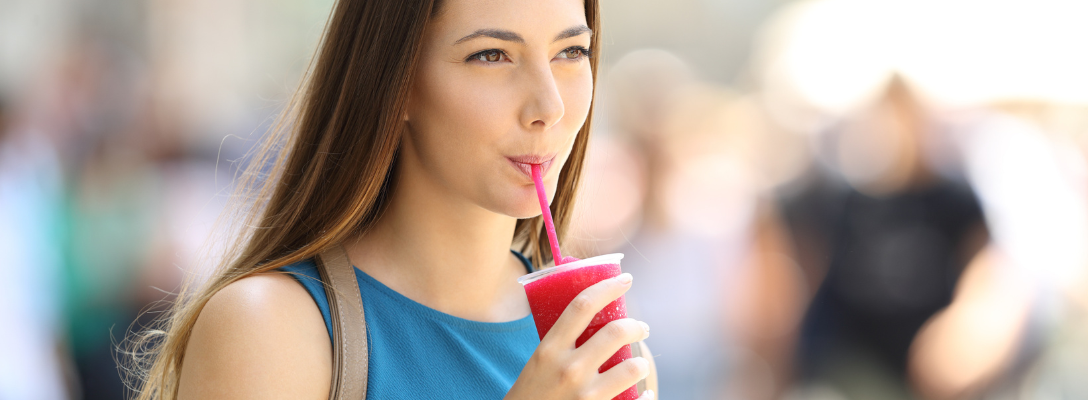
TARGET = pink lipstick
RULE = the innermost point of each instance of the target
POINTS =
(524, 163)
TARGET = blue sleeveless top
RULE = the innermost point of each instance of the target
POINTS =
(417, 352)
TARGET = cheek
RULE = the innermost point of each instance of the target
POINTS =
(577, 94)
(455, 121)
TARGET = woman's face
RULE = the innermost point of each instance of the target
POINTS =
(500, 85)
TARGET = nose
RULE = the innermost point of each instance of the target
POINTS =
(543, 107)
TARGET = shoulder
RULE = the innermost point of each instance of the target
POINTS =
(259, 337)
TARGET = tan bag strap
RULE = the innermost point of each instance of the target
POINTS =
(350, 354)
(636, 351)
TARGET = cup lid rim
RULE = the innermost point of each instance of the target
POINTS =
(598, 260)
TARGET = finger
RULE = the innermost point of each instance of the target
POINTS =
(621, 377)
(648, 395)
(611, 337)
(580, 311)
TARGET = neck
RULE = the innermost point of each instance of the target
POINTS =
(443, 251)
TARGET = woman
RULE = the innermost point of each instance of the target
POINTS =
(410, 147)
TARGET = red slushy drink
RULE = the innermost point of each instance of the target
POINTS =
(551, 290)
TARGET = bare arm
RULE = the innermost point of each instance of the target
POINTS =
(766, 311)
(260, 337)
(965, 346)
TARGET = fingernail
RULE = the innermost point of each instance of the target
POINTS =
(645, 327)
(624, 278)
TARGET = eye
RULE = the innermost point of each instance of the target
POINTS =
(489, 56)
(575, 53)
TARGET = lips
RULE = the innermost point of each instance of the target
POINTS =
(524, 163)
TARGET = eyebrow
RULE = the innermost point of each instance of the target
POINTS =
(511, 36)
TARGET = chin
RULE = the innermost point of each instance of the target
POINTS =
(527, 212)
(519, 204)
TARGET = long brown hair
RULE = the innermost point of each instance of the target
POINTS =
(296, 198)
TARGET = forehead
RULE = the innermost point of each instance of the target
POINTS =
(535, 20)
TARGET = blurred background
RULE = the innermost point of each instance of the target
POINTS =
(822, 199)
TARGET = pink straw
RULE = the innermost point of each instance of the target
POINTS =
(547, 213)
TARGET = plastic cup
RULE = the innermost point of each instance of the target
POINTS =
(551, 290)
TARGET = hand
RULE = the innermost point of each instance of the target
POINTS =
(558, 370)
